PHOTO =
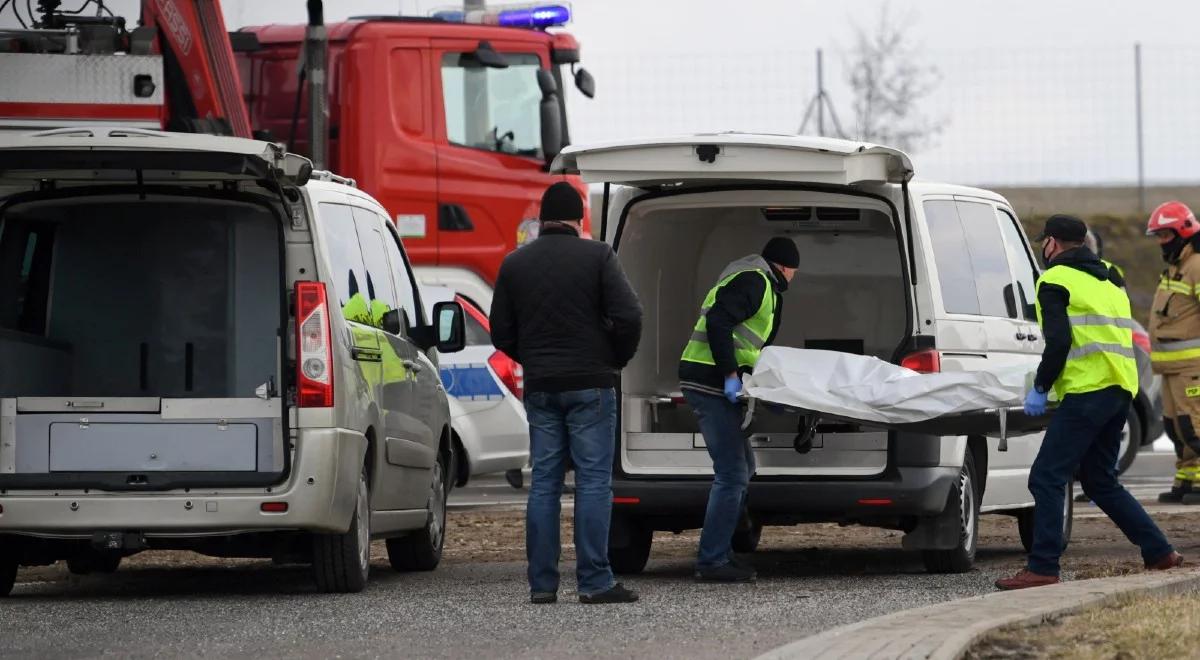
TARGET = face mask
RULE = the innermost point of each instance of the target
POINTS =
(1046, 253)
(1171, 249)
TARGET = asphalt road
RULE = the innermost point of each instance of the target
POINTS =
(466, 610)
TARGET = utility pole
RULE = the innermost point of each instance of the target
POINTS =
(315, 58)
(820, 102)
(1141, 154)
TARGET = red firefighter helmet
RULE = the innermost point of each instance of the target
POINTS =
(1174, 216)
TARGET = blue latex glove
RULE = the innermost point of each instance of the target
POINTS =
(1035, 403)
(733, 387)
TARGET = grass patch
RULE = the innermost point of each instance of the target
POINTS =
(1139, 628)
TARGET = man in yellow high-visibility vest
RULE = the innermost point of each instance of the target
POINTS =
(1089, 363)
(739, 316)
(1175, 343)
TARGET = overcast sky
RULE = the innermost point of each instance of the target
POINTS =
(1031, 91)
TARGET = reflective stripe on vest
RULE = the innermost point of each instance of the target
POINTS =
(1175, 351)
(1102, 353)
(749, 337)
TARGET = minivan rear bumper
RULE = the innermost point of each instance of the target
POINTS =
(906, 491)
(320, 494)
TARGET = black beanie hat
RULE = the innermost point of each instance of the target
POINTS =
(782, 251)
(561, 203)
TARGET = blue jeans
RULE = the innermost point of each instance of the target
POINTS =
(733, 464)
(583, 425)
(1085, 434)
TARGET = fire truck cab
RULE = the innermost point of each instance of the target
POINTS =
(449, 121)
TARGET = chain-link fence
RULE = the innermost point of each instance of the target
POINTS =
(1040, 116)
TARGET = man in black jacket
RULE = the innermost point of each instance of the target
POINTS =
(564, 310)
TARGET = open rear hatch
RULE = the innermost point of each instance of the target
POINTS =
(142, 311)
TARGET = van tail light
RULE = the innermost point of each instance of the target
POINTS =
(928, 361)
(510, 373)
(314, 350)
(1142, 340)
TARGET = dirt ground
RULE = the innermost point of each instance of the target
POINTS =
(1141, 629)
(1097, 548)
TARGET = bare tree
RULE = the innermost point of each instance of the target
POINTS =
(888, 79)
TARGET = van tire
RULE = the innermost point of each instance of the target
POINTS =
(631, 556)
(1134, 444)
(963, 503)
(1025, 522)
(342, 562)
(93, 562)
(8, 575)
(422, 550)
(746, 540)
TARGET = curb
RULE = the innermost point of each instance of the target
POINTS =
(947, 630)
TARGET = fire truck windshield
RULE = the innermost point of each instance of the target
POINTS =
(493, 109)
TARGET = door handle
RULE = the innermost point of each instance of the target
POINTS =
(1020, 335)
(413, 366)
(1032, 337)
(366, 354)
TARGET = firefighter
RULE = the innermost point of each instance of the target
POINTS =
(739, 316)
(1089, 364)
(1175, 342)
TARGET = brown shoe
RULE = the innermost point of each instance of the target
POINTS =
(1024, 580)
(1173, 560)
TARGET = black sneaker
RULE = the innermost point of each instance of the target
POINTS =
(733, 572)
(617, 594)
(543, 597)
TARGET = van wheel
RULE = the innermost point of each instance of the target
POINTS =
(93, 562)
(342, 562)
(422, 550)
(8, 575)
(631, 556)
(1131, 441)
(963, 503)
(746, 540)
(1025, 522)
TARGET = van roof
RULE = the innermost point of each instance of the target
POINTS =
(935, 188)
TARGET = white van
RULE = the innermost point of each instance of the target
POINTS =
(925, 275)
(205, 345)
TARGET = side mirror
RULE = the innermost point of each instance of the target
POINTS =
(392, 321)
(551, 116)
(585, 83)
(451, 327)
(487, 56)
(1010, 301)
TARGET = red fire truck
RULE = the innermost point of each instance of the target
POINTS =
(449, 120)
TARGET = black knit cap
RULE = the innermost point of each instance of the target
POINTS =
(1065, 228)
(561, 203)
(782, 251)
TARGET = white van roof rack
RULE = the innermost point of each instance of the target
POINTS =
(326, 175)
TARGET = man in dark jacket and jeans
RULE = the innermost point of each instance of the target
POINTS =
(564, 309)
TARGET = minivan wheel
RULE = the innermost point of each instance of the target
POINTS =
(746, 540)
(8, 575)
(631, 556)
(1131, 441)
(1025, 522)
(342, 562)
(963, 503)
(422, 550)
(94, 562)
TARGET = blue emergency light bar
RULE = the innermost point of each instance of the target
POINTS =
(537, 17)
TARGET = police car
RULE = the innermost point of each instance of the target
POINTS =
(485, 388)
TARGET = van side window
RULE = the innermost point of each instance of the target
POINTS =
(989, 261)
(26, 251)
(380, 294)
(1024, 271)
(406, 289)
(493, 109)
(345, 257)
(952, 257)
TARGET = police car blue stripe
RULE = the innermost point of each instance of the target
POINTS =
(471, 382)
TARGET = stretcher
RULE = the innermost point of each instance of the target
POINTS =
(828, 386)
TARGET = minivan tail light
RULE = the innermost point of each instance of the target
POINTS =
(509, 372)
(1142, 340)
(928, 361)
(314, 349)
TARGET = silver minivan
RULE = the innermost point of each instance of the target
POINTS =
(929, 276)
(205, 345)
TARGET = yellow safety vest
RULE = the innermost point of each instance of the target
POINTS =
(751, 335)
(1102, 353)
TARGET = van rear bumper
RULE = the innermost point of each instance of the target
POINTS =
(908, 491)
(319, 492)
